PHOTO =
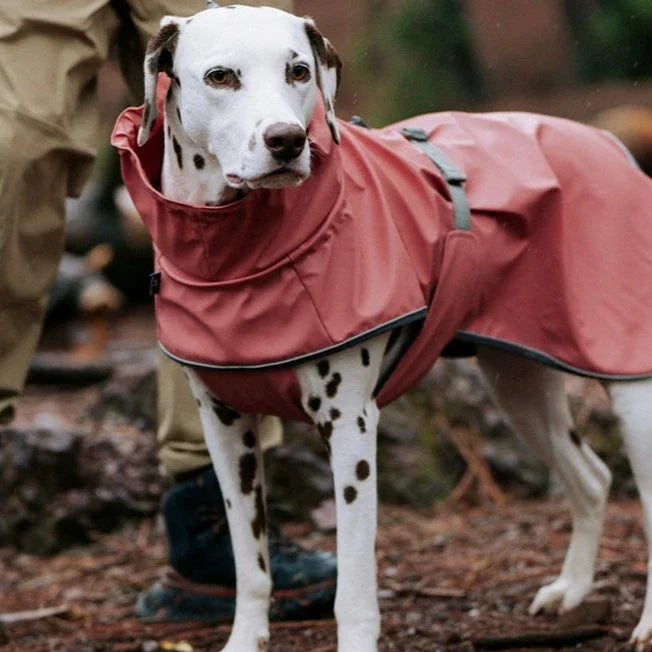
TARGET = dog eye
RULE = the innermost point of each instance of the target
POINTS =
(222, 77)
(300, 72)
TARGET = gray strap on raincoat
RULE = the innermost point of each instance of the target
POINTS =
(453, 176)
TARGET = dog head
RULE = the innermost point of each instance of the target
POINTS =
(245, 81)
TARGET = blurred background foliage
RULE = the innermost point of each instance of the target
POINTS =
(416, 57)
(612, 39)
(423, 55)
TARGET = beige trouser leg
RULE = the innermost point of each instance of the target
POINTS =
(50, 53)
(49, 56)
(181, 440)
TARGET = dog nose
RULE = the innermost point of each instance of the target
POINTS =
(284, 141)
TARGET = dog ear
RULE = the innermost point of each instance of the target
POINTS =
(158, 58)
(328, 66)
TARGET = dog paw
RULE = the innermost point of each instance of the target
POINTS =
(641, 638)
(239, 643)
(560, 596)
(358, 638)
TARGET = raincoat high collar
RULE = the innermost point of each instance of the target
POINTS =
(246, 236)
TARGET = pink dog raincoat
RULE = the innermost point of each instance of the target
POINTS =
(557, 263)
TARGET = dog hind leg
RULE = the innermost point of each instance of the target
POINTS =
(632, 402)
(233, 443)
(534, 401)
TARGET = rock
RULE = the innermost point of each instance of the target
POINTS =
(298, 473)
(130, 394)
(37, 464)
(592, 611)
(57, 488)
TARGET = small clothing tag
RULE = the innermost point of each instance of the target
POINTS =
(154, 283)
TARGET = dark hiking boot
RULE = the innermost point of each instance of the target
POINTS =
(200, 582)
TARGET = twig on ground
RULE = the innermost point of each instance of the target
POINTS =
(539, 639)
(469, 446)
(33, 614)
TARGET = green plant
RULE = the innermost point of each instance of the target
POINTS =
(415, 57)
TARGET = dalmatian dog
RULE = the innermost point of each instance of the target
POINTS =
(243, 91)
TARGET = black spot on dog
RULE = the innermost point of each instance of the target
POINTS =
(227, 415)
(259, 524)
(259, 122)
(146, 113)
(228, 503)
(335, 413)
(362, 425)
(169, 131)
(314, 403)
(178, 83)
(350, 494)
(248, 467)
(161, 48)
(323, 367)
(198, 402)
(252, 143)
(167, 37)
(325, 430)
(576, 439)
(333, 384)
(324, 51)
(362, 470)
(177, 151)
(261, 562)
(152, 65)
(249, 439)
(199, 162)
(294, 54)
(365, 357)
(179, 115)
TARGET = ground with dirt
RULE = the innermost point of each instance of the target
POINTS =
(451, 578)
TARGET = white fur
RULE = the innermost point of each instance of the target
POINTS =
(226, 447)
(225, 127)
(356, 607)
(631, 402)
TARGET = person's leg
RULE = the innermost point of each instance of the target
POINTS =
(200, 581)
(49, 56)
(182, 448)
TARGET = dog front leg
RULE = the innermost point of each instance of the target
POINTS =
(233, 443)
(337, 394)
(353, 461)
